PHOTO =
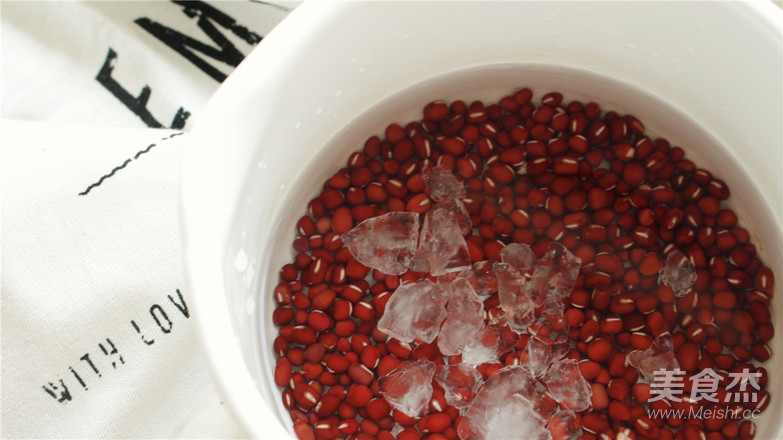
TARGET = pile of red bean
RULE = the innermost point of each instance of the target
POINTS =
(535, 173)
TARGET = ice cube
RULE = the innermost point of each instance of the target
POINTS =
(514, 419)
(460, 383)
(442, 247)
(565, 426)
(659, 356)
(442, 184)
(480, 275)
(386, 242)
(492, 341)
(415, 310)
(514, 297)
(541, 355)
(678, 273)
(465, 317)
(408, 388)
(456, 209)
(550, 324)
(507, 406)
(567, 385)
(555, 274)
(519, 256)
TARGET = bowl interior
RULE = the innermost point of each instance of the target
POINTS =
(488, 83)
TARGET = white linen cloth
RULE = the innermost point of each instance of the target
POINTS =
(81, 273)
(98, 340)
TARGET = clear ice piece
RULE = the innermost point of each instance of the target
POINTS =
(408, 388)
(554, 275)
(508, 406)
(442, 184)
(514, 297)
(456, 209)
(541, 355)
(480, 275)
(460, 383)
(565, 426)
(442, 247)
(567, 385)
(660, 355)
(489, 343)
(414, 311)
(386, 242)
(519, 256)
(678, 273)
(516, 419)
(550, 324)
(465, 317)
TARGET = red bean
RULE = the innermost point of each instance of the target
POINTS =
(589, 369)
(765, 280)
(303, 431)
(594, 423)
(619, 411)
(761, 351)
(688, 356)
(437, 422)
(747, 430)
(743, 322)
(639, 340)
(599, 399)
(377, 409)
(718, 189)
(342, 220)
(651, 264)
(599, 350)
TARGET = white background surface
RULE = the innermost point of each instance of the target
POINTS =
(90, 224)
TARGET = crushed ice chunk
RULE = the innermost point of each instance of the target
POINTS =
(456, 209)
(519, 256)
(514, 297)
(480, 276)
(460, 383)
(567, 385)
(510, 405)
(489, 343)
(660, 355)
(565, 426)
(482, 348)
(550, 323)
(415, 310)
(386, 242)
(442, 247)
(554, 275)
(442, 184)
(678, 273)
(408, 388)
(465, 317)
(516, 418)
(541, 355)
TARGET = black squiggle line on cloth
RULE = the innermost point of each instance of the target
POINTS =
(104, 177)
(127, 161)
(150, 146)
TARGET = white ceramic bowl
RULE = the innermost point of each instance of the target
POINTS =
(706, 75)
